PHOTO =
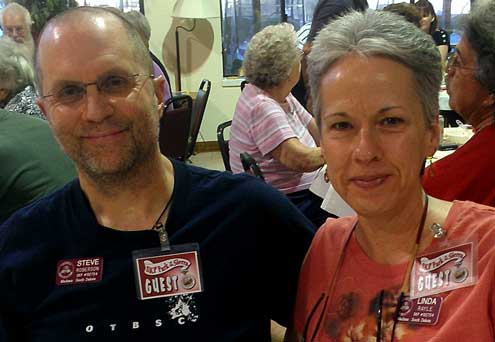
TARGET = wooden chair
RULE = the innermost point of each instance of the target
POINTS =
(175, 127)
(197, 115)
(223, 144)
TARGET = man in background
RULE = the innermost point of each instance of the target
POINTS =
(16, 24)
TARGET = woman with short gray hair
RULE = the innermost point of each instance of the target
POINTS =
(467, 174)
(16, 80)
(272, 126)
(408, 266)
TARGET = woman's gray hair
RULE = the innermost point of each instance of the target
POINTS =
(479, 29)
(384, 34)
(270, 56)
(140, 23)
(16, 69)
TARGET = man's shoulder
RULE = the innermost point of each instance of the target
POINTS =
(220, 181)
(220, 186)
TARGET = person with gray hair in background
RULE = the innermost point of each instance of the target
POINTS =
(467, 174)
(17, 92)
(16, 22)
(408, 267)
(141, 24)
(272, 126)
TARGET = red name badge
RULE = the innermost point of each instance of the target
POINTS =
(423, 311)
(79, 271)
(444, 270)
(164, 274)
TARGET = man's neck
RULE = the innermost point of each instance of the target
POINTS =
(134, 203)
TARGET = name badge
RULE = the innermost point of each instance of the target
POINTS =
(163, 272)
(444, 270)
(79, 271)
(421, 311)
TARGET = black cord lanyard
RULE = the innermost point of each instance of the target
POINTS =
(159, 227)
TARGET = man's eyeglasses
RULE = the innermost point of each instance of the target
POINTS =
(453, 63)
(110, 85)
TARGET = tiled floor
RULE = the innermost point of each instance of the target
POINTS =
(208, 160)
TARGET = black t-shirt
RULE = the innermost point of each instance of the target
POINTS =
(252, 242)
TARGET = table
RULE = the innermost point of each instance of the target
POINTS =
(443, 100)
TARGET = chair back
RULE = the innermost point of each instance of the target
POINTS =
(250, 165)
(243, 84)
(223, 144)
(175, 126)
(197, 114)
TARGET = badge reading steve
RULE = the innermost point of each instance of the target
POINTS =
(444, 270)
(168, 275)
(78, 271)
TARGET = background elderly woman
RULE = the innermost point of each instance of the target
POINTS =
(141, 24)
(272, 126)
(375, 80)
(16, 80)
(468, 173)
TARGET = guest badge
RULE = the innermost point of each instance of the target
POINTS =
(421, 311)
(444, 270)
(165, 272)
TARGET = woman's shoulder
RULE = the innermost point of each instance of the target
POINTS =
(335, 230)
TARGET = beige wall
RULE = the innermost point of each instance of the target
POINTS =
(201, 57)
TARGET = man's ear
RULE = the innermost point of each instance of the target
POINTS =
(42, 106)
(158, 83)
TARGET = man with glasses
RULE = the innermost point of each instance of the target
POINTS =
(467, 174)
(16, 23)
(139, 247)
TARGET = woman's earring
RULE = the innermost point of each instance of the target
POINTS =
(325, 177)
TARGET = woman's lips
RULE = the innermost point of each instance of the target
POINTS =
(369, 182)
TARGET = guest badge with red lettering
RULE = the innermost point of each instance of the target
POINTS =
(445, 270)
(164, 273)
(79, 271)
(422, 311)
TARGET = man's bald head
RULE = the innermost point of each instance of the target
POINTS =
(80, 18)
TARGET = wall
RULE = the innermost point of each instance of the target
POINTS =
(201, 57)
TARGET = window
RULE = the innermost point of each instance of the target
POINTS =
(449, 17)
(241, 19)
(124, 5)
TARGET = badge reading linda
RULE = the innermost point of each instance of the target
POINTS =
(79, 271)
(422, 311)
(444, 270)
(168, 275)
